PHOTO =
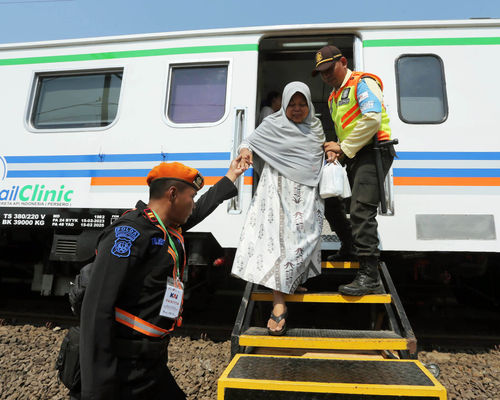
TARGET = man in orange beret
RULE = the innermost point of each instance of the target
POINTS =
(134, 296)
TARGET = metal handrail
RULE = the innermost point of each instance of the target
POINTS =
(234, 206)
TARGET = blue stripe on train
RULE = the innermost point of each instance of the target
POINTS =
(93, 173)
(447, 172)
(402, 155)
(158, 157)
(433, 155)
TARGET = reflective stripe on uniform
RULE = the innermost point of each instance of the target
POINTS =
(352, 109)
(383, 135)
(348, 121)
(138, 324)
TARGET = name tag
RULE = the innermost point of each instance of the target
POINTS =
(172, 300)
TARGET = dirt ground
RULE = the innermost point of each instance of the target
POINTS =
(28, 353)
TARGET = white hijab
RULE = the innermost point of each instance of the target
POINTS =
(294, 150)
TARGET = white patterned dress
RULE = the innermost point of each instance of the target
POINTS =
(281, 239)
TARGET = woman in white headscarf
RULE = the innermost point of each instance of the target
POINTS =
(281, 239)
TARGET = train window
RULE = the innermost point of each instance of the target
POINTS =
(197, 94)
(69, 100)
(421, 89)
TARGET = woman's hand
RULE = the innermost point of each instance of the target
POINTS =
(246, 159)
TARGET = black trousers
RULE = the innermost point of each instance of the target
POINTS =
(362, 228)
(147, 379)
(335, 214)
(142, 372)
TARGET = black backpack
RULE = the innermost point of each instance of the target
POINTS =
(68, 360)
(77, 289)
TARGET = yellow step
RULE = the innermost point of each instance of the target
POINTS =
(326, 339)
(323, 297)
(340, 264)
(250, 376)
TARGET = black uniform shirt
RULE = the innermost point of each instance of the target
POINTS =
(130, 271)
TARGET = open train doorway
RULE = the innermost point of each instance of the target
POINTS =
(291, 58)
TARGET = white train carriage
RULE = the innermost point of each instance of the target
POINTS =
(84, 120)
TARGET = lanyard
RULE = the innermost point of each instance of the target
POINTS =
(172, 245)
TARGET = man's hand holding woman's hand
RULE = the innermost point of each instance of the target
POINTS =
(246, 159)
(235, 170)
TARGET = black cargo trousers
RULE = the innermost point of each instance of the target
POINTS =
(362, 174)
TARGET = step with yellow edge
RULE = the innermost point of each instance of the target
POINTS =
(261, 377)
(323, 297)
(326, 339)
(340, 265)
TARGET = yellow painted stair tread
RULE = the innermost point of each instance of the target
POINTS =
(299, 338)
(304, 378)
(340, 264)
(324, 297)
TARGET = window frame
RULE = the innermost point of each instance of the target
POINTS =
(227, 62)
(35, 90)
(445, 95)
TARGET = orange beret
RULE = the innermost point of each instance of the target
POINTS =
(177, 171)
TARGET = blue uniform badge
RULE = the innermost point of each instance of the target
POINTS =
(157, 241)
(344, 97)
(367, 100)
(125, 235)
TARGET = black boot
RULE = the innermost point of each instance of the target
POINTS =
(367, 279)
(345, 253)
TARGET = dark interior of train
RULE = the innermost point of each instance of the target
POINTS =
(286, 59)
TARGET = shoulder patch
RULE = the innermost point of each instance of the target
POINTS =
(125, 235)
(149, 214)
(367, 100)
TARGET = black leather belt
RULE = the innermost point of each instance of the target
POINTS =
(389, 148)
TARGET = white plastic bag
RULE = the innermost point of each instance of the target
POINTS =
(331, 183)
(347, 186)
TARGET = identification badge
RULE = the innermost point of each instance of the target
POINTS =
(172, 301)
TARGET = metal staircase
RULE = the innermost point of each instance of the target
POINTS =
(376, 361)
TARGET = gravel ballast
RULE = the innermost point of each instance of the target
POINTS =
(28, 353)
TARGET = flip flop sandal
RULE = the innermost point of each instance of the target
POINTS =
(276, 319)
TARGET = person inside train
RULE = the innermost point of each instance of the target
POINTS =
(281, 238)
(271, 104)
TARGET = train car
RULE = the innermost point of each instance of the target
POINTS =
(83, 121)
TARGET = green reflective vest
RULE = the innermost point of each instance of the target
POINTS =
(345, 109)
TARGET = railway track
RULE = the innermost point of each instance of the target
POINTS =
(212, 315)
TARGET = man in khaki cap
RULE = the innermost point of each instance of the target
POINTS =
(360, 119)
(134, 296)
